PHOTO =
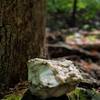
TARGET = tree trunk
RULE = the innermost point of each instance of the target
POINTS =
(74, 12)
(22, 37)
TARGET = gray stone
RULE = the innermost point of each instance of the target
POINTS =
(53, 78)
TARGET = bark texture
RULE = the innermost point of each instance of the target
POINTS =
(22, 37)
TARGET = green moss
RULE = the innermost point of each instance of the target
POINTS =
(91, 38)
(83, 94)
(12, 97)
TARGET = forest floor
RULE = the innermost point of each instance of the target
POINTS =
(82, 47)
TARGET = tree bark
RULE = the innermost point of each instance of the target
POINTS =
(22, 37)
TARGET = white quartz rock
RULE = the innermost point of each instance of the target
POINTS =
(52, 78)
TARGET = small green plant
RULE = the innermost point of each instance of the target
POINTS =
(12, 97)
(84, 94)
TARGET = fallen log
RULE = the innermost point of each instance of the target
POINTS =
(72, 50)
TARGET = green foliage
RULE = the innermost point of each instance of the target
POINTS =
(86, 8)
(12, 97)
(83, 94)
(59, 5)
(90, 7)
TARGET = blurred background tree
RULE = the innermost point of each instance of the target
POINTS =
(77, 11)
